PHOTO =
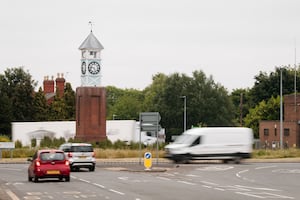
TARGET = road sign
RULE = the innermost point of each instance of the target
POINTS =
(150, 121)
(151, 127)
(150, 118)
(148, 160)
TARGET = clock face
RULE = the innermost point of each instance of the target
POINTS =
(94, 67)
(83, 67)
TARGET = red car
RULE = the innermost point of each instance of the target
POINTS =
(49, 163)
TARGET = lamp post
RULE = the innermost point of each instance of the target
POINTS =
(184, 112)
(281, 111)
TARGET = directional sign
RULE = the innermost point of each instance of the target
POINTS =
(149, 121)
(151, 127)
(150, 117)
(148, 160)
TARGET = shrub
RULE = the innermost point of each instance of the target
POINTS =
(33, 142)
(4, 138)
(18, 144)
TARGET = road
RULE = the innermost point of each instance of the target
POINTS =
(185, 181)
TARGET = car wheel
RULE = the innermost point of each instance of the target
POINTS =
(29, 178)
(92, 168)
(60, 178)
(36, 179)
(67, 178)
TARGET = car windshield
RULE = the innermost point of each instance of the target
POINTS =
(81, 149)
(45, 156)
(184, 139)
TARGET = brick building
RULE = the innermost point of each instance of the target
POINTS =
(269, 131)
(51, 87)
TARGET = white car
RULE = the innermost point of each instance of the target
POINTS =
(80, 155)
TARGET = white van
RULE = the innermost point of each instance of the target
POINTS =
(221, 143)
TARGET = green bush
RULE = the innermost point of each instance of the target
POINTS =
(33, 142)
(18, 144)
(4, 138)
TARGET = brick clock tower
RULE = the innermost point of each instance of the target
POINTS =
(90, 97)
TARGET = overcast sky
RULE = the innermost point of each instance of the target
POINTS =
(231, 40)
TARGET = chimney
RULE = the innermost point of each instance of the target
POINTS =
(48, 85)
(60, 84)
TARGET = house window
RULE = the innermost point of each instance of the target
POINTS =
(266, 132)
(286, 132)
(275, 132)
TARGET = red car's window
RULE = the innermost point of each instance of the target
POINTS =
(52, 156)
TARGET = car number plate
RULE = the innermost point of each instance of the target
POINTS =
(82, 156)
(53, 172)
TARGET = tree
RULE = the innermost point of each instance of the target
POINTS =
(19, 87)
(268, 85)
(207, 102)
(124, 104)
(40, 106)
(57, 109)
(17, 93)
(265, 110)
(69, 99)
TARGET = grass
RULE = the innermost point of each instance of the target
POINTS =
(278, 153)
(128, 153)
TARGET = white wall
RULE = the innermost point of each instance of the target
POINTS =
(124, 130)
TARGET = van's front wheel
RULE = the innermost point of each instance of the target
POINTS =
(182, 159)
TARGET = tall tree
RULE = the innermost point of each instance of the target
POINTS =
(268, 85)
(40, 106)
(19, 87)
(69, 99)
(265, 110)
(207, 102)
(124, 103)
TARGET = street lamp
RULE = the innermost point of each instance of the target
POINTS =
(184, 112)
(281, 112)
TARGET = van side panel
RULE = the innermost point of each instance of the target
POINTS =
(215, 143)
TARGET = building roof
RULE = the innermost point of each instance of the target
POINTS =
(91, 42)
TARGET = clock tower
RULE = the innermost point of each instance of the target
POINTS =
(90, 97)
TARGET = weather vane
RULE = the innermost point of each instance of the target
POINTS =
(91, 24)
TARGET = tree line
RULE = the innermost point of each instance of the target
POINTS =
(207, 103)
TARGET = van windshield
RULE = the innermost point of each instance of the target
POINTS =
(184, 139)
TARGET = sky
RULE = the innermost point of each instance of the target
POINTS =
(231, 40)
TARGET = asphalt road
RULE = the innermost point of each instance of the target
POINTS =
(166, 181)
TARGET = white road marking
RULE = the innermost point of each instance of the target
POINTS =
(163, 178)
(215, 168)
(185, 182)
(264, 195)
(209, 183)
(85, 180)
(96, 184)
(11, 195)
(220, 189)
(207, 186)
(192, 175)
(240, 172)
(115, 191)
(251, 195)
(257, 188)
(266, 167)
(123, 178)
